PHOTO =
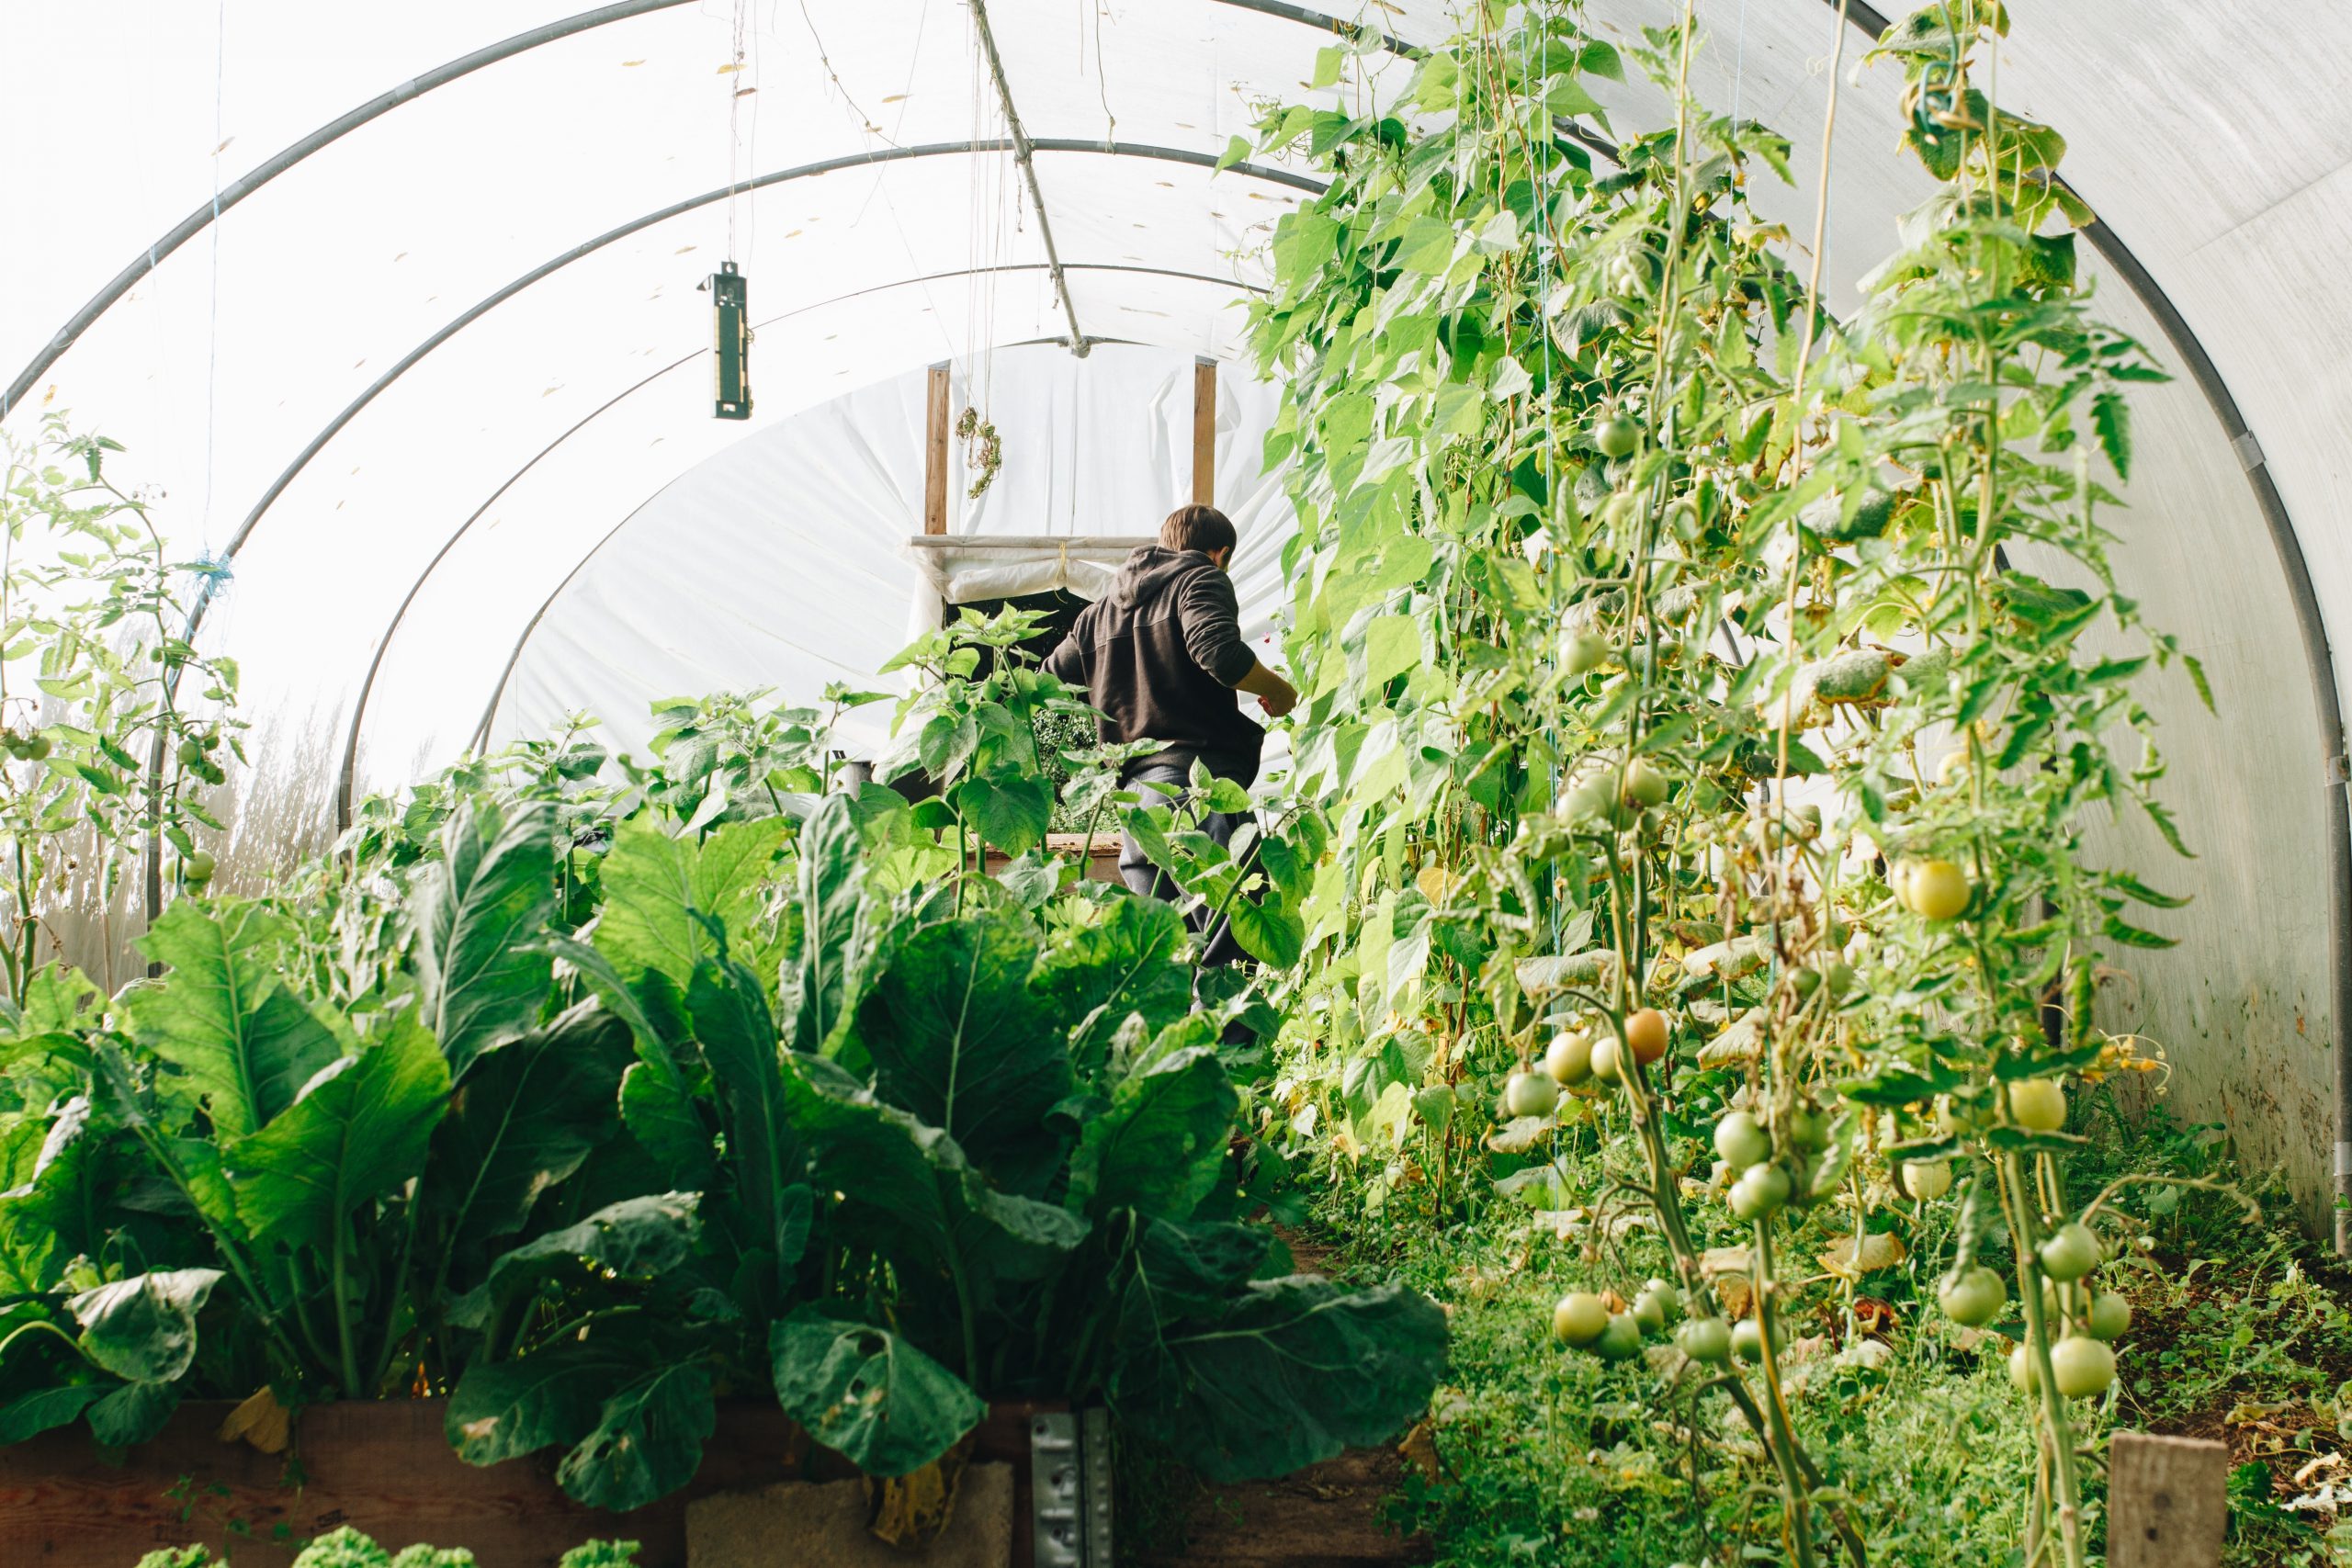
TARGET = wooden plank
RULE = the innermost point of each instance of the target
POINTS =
(1204, 432)
(1328, 1515)
(2167, 1501)
(934, 449)
(385, 1468)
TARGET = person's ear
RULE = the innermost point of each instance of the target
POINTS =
(1224, 558)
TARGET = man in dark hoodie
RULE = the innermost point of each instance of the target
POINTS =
(1162, 656)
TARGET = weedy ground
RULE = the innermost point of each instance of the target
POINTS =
(2242, 1333)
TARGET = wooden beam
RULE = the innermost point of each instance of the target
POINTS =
(1204, 432)
(2167, 1501)
(934, 448)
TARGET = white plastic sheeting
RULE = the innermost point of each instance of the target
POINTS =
(787, 555)
(2206, 134)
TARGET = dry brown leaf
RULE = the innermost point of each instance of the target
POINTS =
(260, 1421)
(1880, 1249)
(1743, 1042)
(909, 1511)
(2249, 1411)
(1518, 1134)
(1419, 1451)
(2303, 1476)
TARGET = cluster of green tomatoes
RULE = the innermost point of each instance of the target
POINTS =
(195, 753)
(29, 746)
(1582, 1054)
(2086, 1318)
(1615, 1330)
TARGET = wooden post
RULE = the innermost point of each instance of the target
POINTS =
(2167, 1500)
(1204, 432)
(935, 450)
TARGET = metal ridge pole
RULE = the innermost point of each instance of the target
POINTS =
(1022, 149)
(286, 157)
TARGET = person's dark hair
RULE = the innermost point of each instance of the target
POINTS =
(1198, 527)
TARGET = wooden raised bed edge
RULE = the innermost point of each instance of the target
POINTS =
(386, 1468)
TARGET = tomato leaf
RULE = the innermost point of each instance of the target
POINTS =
(2111, 417)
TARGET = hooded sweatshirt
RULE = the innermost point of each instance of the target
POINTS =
(1159, 654)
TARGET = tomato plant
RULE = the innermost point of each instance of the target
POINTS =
(125, 732)
(1692, 672)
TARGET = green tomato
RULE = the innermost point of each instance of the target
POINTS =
(1642, 785)
(1616, 437)
(1579, 1318)
(2081, 1367)
(2021, 1368)
(1530, 1094)
(1742, 1141)
(1583, 652)
(1761, 1192)
(192, 751)
(38, 747)
(1591, 800)
(1927, 1179)
(1973, 1297)
(1569, 1060)
(1842, 978)
(1654, 1308)
(1604, 1058)
(1809, 1128)
(1622, 1340)
(1935, 888)
(1747, 1340)
(2038, 1104)
(1707, 1340)
(196, 870)
(2069, 1252)
(2110, 1317)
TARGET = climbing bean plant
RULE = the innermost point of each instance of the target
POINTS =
(1708, 698)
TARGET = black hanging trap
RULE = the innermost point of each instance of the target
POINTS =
(731, 348)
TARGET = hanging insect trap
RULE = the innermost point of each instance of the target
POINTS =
(731, 348)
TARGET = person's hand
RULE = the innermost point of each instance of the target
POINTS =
(1279, 702)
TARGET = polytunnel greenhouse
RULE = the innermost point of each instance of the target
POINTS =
(1067, 782)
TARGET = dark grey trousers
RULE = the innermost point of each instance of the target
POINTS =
(1172, 780)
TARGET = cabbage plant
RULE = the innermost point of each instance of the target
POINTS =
(768, 1121)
